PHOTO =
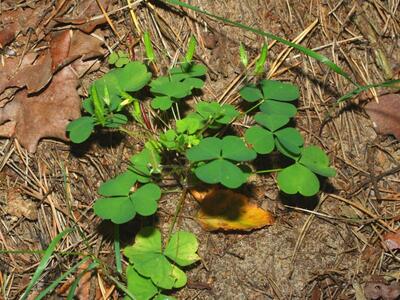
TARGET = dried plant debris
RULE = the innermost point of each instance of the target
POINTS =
(82, 16)
(50, 99)
(66, 46)
(19, 207)
(385, 115)
(33, 76)
(32, 117)
(392, 240)
(16, 21)
(378, 289)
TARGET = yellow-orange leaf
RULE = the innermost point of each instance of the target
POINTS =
(222, 209)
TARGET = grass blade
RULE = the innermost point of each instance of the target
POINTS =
(43, 263)
(56, 282)
(74, 285)
(121, 287)
(390, 84)
(319, 57)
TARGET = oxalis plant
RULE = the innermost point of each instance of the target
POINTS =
(187, 144)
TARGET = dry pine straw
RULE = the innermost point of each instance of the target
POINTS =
(354, 209)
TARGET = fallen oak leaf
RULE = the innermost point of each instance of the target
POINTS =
(65, 47)
(68, 45)
(30, 118)
(34, 76)
(385, 114)
(17, 21)
(222, 209)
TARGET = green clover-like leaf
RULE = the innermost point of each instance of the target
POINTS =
(251, 93)
(316, 160)
(164, 297)
(260, 139)
(209, 148)
(234, 148)
(116, 120)
(146, 163)
(172, 89)
(80, 129)
(182, 248)
(145, 199)
(122, 61)
(149, 261)
(161, 102)
(189, 125)
(141, 287)
(209, 109)
(130, 78)
(274, 108)
(113, 58)
(118, 186)
(193, 83)
(117, 209)
(228, 113)
(298, 179)
(290, 139)
(271, 122)
(194, 70)
(221, 171)
(168, 139)
(276, 90)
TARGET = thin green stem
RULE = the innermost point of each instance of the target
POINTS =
(253, 107)
(117, 249)
(268, 171)
(178, 209)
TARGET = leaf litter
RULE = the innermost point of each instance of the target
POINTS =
(228, 210)
(45, 97)
(385, 114)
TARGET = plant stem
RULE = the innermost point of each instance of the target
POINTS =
(117, 249)
(178, 209)
(268, 171)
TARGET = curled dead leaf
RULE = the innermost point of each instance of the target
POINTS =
(222, 209)
(385, 115)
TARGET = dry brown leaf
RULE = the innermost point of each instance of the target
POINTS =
(32, 117)
(34, 77)
(385, 115)
(17, 21)
(66, 46)
(82, 14)
(392, 240)
(380, 290)
(83, 290)
(27, 73)
(18, 207)
(222, 209)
